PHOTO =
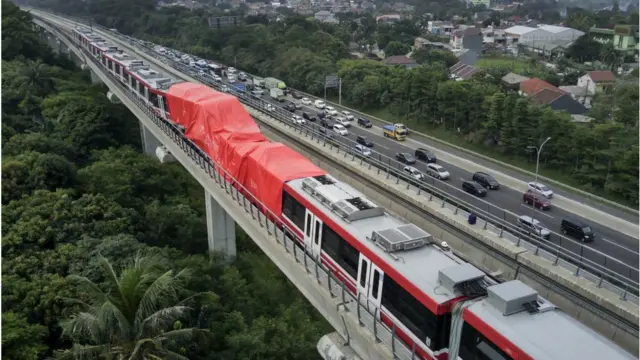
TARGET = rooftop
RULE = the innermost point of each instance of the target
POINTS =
(546, 96)
(398, 60)
(471, 31)
(512, 78)
(519, 30)
(601, 76)
(532, 86)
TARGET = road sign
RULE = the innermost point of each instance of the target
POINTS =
(241, 87)
(331, 81)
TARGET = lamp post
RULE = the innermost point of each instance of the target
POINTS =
(538, 150)
(235, 61)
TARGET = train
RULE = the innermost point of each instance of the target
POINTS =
(439, 305)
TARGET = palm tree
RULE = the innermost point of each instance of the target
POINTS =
(136, 319)
(35, 78)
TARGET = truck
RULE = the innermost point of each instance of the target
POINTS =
(396, 131)
(277, 94)
(274, 83)
(258, 81)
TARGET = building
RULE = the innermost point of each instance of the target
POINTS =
(325, 16)
(531, 86)
(544, 32)
(624, 38)
(597, 81)
(420, 43)
(388, 19)
(512, 81)
(469, 38)
(400, 60)
(466, 56)
(581, 94)
(558, 100)
(461, 71)
(550, 49)
(486, 3)
(439, 27)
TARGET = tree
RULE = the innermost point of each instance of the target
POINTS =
(138, 318)
(396, 48)
(21, 340)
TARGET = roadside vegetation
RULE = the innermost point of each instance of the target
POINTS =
(104, 249)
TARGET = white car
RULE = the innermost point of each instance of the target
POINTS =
(533, 226)
(319, 104)
(270, 108)
(257, 92)
(541, 189)
(347, 115)
(340, 130)
(342, 121)
(231, 70)
(437, 171)
(224, 88)
(298, 120)
(363, 150)
(216, 78)
(231, 78)
(331, 111)
(413, 172)
(306, 101)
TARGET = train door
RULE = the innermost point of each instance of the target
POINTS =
(370, 279)
(312, 233)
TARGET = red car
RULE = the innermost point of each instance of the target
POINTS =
(539, 201)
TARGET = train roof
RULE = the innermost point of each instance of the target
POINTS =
(82, 30)
(427, 266)
(105, 46)
(125, 59)
(541, 331)
(153, 78)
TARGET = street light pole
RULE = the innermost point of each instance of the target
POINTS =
(539, 150)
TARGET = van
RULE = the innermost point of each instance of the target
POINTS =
(577, 229)
(364, 122)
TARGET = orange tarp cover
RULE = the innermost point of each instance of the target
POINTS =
(268, 167)
(211, 119)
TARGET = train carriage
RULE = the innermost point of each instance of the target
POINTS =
(433, 299)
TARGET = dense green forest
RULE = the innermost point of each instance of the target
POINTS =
(104, 249)
(600, 157)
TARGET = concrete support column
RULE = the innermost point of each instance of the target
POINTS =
(220, 228)
(149, 141)
(334, 347)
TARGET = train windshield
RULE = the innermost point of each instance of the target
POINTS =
(475, 346)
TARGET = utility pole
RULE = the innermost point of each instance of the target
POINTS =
(339, 92)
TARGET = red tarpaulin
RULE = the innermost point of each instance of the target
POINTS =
(211, 118)
(268, 167)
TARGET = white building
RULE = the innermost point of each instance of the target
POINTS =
(544, 32)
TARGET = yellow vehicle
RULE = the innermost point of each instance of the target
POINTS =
(395, 131)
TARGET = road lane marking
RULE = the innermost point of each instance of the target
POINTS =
(537, 210)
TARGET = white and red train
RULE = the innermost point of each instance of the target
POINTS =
(436, 302)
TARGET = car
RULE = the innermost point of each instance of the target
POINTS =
(437, 171)
(308, 116)
(298, 120)
(541, 188)
(242, 76)
(224, 88)
(533, 226)
(342, 121)
(340, 129)
(325, 124)
(257, 92)
(321, 115)
(319, 104)
(474, 188)
(486, 180)
(347, 115)
(577, 229)
(535, 199)
(231, 70)
(270, 108)
(305, 101)
(365, 122)
(405, 158)
(363, 150)
(290, 107)
(414, 173)
(296, 95)
(296, 105)
(425, 155)
(216, 78)
(231, 78)
(331, 110)
(364, 141)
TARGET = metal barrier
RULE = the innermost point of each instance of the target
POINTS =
(583, 261)
(367, 314)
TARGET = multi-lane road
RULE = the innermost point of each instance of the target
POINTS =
(505, 203)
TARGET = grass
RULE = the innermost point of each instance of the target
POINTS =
(513, 63)
(452, 138)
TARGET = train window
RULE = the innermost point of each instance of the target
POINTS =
(316, 235)
(376, 283)
(154, 100)
(126, 76)
(363, 273)
(474, 346)
(118, 69)
(340, 251)
(308, 222)
(425, 325)
(110, 66)
(141, 89)
(292, 209)
(133, 83)
(166, 106)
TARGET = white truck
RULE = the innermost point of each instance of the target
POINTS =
(258, 81)
(274, 83)
(276, 94)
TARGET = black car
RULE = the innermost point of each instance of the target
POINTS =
(291, 107)
(307, 116)
(425, 155)
(362, 140)
(486, 180)
(324, 123)
(296, 95)
(405, 158)
(577, 229)
(296, 106)
(474, 188)
(321, 115)
(364, 122)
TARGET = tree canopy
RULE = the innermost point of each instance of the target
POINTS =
(102, 245)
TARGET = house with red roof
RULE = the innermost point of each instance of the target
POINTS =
(597, 81)
(543, 93)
